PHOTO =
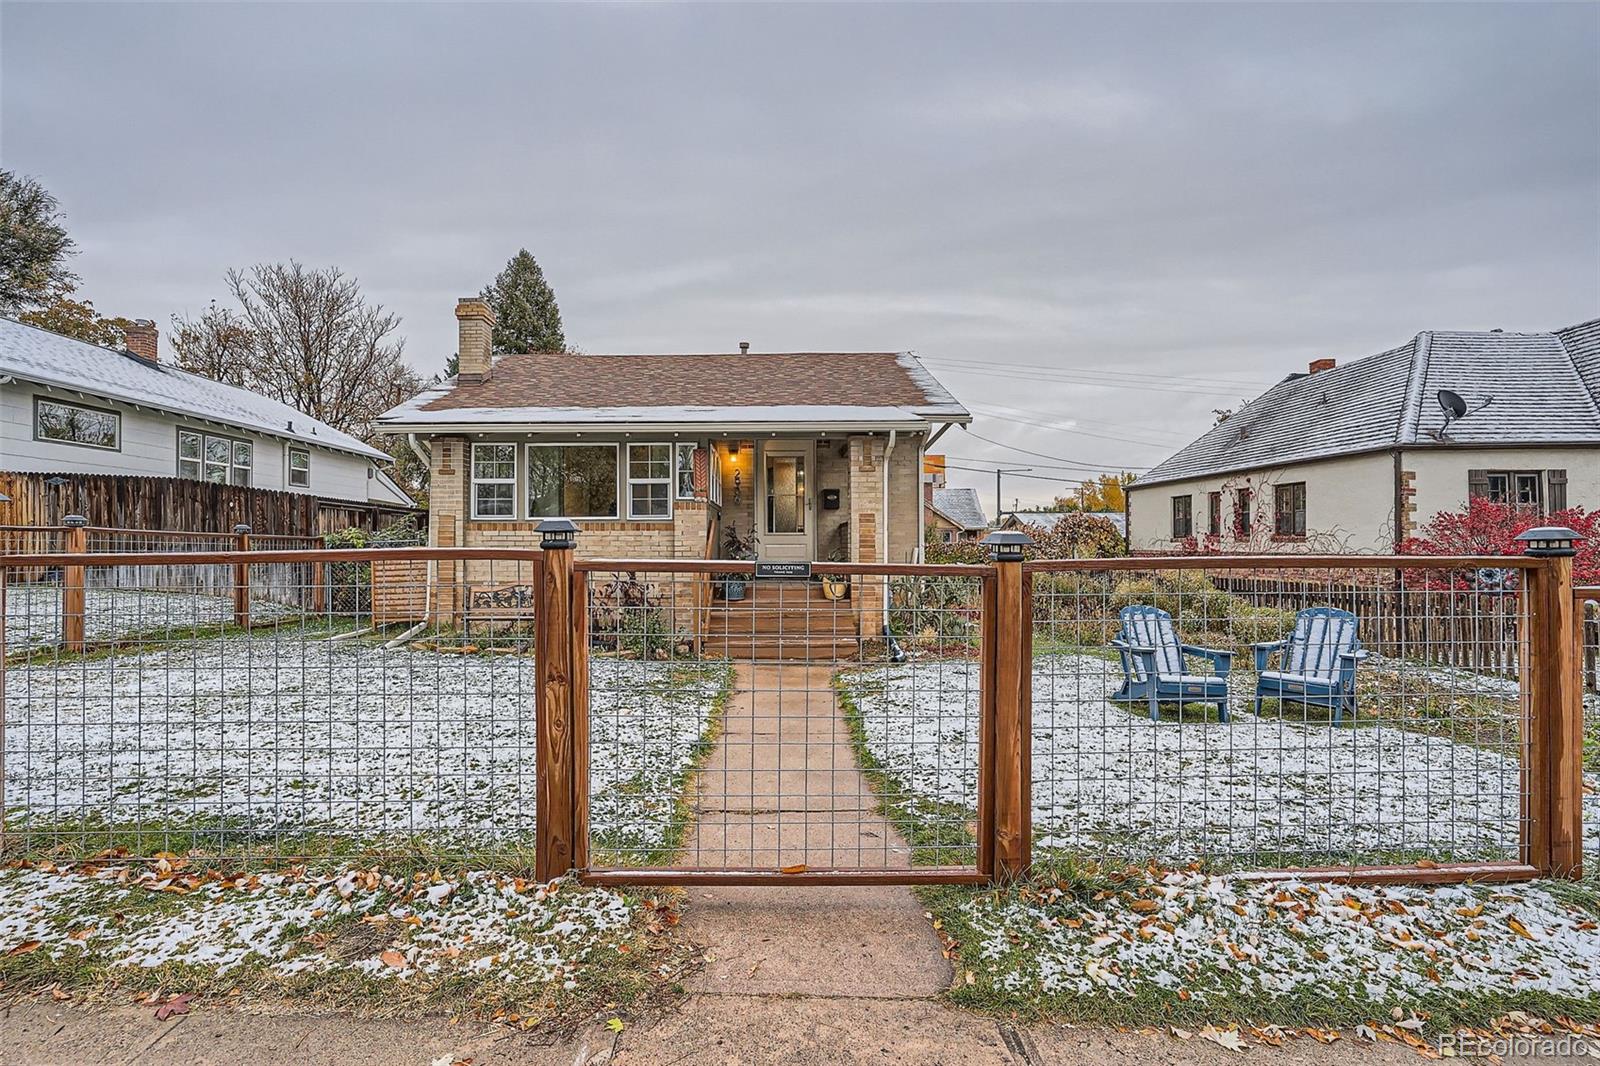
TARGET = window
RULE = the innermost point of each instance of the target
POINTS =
(649, 481)
(1214, 513)
(299, 468)
(1524, 488)
(68, 423)
(572, 481)
(207, 457)
(1289, 510)
(1241, 514)
(494, 481)
(685, 457)
(1182, 517)
(189, 445)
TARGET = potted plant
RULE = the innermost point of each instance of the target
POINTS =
(736, 586)
(835, 586)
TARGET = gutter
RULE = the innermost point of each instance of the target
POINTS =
(573, 428)
(883, 533)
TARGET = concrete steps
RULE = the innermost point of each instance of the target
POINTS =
(787, 621)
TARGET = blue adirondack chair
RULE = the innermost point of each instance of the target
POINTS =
(1317, 664)
(1153, 666)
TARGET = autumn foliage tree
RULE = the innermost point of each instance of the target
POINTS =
(1485, 527)
(1108, 492)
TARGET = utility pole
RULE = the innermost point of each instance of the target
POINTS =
(999, 501)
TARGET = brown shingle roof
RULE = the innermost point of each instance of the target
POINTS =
(716, 380)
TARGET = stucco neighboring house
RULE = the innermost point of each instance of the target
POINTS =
(661, 456)
(72, 408)
(953, 514)
(1357, 457)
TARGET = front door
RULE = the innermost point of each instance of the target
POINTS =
(784, 499)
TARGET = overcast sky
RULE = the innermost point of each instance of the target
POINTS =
(1185, 198)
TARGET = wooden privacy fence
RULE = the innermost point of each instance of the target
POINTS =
(1470, 629)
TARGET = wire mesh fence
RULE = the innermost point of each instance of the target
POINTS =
(201, 721)
(1587, 620)
(776, 725)
(1280, 716)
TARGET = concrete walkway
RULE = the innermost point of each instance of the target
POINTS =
(782, 789)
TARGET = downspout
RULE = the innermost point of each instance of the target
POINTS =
(426, 456)
(888, 453)
(920, 554)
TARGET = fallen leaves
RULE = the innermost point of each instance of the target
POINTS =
(393, 959)
(26, 947)
(178, 1004)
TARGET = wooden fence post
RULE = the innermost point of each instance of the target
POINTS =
(556, 781)
(72, 594)
(1011, 659)
(241, 579)
(1553, 707)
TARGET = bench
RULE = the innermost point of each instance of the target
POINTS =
(499, 603)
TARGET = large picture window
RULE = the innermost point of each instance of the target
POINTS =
(208, 457)
(494, 481)
(69, 423)
(649, 481)
(572, 481)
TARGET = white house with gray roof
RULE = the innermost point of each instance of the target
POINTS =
(68, 407)
(1357, 457)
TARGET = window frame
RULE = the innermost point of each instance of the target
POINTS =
(233, 465)
(1512, 478)
(473, 481)
(629, 481)
(616, 493)
(1278, 511)
(1214, 513)
(40, 400)
(1187, 507)
(288, 467)
(678, 469)
(1243, 512)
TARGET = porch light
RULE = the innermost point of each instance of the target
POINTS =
(1549, 541)
(557, 533)
(1007, 545)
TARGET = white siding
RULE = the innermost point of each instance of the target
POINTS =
(150, 448)
(1349, 507)
(1441, 473)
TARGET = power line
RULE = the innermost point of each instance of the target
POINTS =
(990, 413)
(1036, 368)
(1120, 381)
(1067, 464)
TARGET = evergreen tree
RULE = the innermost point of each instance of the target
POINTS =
(526, 316)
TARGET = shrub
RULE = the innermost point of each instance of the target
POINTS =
(1485, 527)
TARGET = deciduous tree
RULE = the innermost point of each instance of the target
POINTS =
(34, 246)
(78, 318)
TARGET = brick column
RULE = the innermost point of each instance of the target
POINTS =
(447, 513)
(867, 472)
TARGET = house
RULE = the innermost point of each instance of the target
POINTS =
(79, 411)
(1357, 457)
(1047, 519)
(670, 456)
(949, 514)
(954, 514)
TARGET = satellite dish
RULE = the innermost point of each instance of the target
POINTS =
(1454, 406)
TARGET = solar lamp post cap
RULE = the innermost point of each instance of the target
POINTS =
(1546, 542)
(558, 533)
(1007, 545)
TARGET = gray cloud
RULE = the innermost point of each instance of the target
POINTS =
(1210, 191)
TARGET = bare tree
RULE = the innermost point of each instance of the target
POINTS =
(217, 345)
(313, 342)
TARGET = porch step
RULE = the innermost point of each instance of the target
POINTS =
(772, 648)
(789, 621)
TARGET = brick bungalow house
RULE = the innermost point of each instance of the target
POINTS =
(819, 454)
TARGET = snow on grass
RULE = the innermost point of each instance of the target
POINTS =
(284, 733)
(361, 922)
(1215, 940)
(33, 614)
(1107, 778)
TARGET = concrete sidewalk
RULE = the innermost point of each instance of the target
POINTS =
(782, 788)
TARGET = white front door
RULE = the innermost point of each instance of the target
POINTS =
(784, 500)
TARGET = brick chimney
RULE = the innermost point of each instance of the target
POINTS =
(142, 339)
(1319, 365)
(475, 322)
